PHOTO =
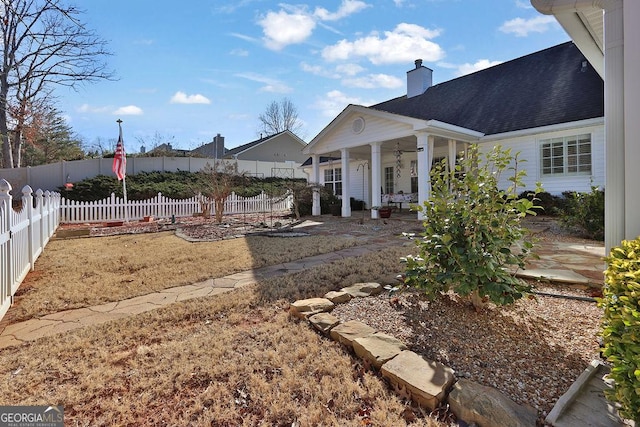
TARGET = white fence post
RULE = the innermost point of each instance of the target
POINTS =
(23, 236)
(27, 205)
(5, 246)
(112, 208)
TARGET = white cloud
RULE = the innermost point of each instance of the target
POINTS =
(244, 37)
(349, 69)
(334, 102)
(374, 81)
(270, 85)
(86, 108)
(404, 44)
(318, 70)
(477, 66)
(129, 110)
(239, 52)
(282, 28)
(522, 27)
(183, 98)
(295, 24)
(348, 7)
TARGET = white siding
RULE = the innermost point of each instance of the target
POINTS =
(376, 129)
(528, 148)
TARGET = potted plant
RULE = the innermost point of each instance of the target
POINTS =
(335, 209)
(383, 211)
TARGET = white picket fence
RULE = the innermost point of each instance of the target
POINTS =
(23, 235)
(114, 209)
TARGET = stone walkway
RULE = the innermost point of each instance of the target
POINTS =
(559, 261)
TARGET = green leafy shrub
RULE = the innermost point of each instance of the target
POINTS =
(584, 213)
(472, 231)
(549, 204)
(175, 185)
(621, 326)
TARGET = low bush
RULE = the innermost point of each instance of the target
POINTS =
(621, 326)
(175, 185)
(549, 204)
(584, 213)
(471, 230)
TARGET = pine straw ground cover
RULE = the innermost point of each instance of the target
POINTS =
(239, 359)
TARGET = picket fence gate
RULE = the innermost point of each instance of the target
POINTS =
(23, 235)
(114, 208)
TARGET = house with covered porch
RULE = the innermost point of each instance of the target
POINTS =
(548, 106)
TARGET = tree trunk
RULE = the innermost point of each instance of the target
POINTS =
(479, 302)
(219, 204)
(7, 157)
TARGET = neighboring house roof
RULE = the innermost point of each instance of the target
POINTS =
(321, 160)
(552, 86)
(245, 147)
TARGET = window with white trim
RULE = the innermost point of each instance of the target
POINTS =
(389, 173)
(414, 176)
(570, 155)
(333, 180)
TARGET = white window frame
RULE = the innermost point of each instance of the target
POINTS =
(389, 184)
(333, 180)
(566, 156)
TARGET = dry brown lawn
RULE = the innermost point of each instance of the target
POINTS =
(235, 359)
(90, 271)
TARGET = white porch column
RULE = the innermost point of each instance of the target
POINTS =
(616, 159)
(315, 180)
(346, 187)
(452, 155)
(425, 158)
(376, 177)
(631, 122)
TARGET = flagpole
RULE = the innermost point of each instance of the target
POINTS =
(124, 176)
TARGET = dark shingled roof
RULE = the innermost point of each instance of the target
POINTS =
(239, 149)
(540, 89)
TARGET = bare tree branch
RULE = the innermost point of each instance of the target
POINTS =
(278, 117)
(44, 44)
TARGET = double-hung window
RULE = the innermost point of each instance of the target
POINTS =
(333, 180)
(566, 156)
(388, 179)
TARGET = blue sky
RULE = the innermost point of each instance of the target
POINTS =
(188, 71)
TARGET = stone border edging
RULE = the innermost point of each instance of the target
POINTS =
(427, 383)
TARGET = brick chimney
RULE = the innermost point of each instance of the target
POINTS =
(418, 80)
(218, 146)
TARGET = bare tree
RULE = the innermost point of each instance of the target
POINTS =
(278, 117)
(219, 181)
(43, 44)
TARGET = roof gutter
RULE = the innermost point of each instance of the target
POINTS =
(568, 13)
(446, 130)
(553, 7)
(598, 121)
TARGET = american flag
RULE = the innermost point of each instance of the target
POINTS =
(120, 158)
